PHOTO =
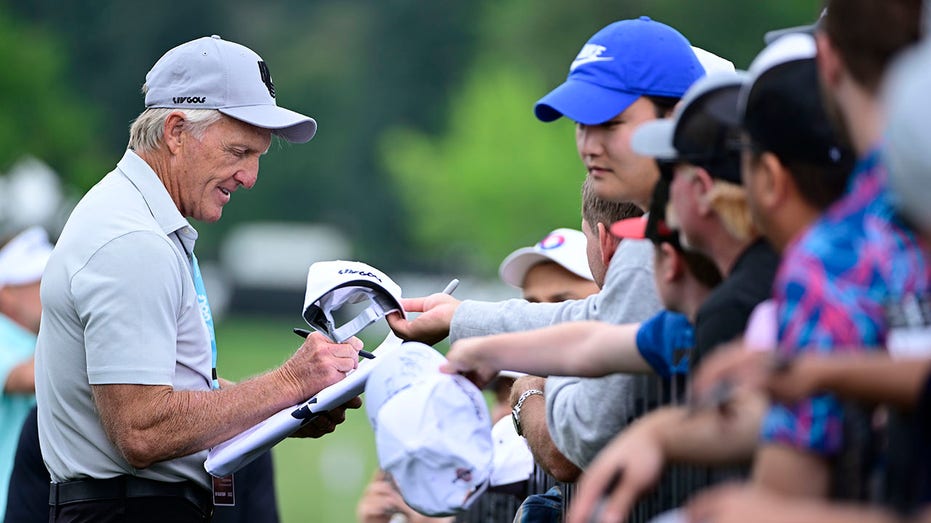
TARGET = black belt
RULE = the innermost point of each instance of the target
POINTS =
(122, 487)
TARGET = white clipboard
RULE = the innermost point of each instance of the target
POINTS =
(233, 454)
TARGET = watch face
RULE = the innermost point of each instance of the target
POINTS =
(516, 421)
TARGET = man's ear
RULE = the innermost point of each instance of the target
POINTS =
(701, 186)
(671, 268)
(830, 66)
(173, 131)
(771, 181)
(607, 244)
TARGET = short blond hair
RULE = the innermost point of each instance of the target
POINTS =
(729, 201)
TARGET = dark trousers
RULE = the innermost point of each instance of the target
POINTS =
(127, 510)
(27, 500)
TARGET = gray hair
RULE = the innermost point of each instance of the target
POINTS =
(145, 133)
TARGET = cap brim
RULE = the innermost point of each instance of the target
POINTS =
(775, 34)
(631, 228)
(514, 268)
(583, 102)
(292, 126)
(772, 36)
(654, 139)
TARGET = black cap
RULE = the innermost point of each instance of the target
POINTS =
(781, 109)
(693, 135)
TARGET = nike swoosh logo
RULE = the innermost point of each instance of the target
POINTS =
(582, 61)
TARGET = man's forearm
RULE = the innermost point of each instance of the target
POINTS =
(870, 377)
(156, 423)
(21, 379)
(709, 437)
(580, 348)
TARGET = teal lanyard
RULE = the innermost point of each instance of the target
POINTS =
(204, 306)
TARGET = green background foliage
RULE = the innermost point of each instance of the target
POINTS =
(493, 155)
(391, 84)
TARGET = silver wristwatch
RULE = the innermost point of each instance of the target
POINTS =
(515, 412)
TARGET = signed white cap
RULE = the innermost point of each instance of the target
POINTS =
(333, 284)
(432, 430)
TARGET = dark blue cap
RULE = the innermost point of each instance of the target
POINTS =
(619, 64)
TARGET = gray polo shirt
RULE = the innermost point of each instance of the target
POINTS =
(118, 306)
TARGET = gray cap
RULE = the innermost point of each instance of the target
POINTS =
(692, 135)
(907, 150)
(212, 73)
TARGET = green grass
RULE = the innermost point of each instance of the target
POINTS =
(316, 479)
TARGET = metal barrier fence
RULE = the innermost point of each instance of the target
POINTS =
(676, 486)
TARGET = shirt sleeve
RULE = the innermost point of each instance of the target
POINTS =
(583, 414)
(629, 296)
(664, 342)
(128, 297)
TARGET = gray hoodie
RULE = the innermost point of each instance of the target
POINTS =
(583, 414)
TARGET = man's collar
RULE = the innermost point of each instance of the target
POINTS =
(156, 196)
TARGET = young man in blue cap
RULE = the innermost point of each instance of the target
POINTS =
(630, 71)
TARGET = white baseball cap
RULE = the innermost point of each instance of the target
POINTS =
(513, 461)
(563, 246)
(212, 73)
(23, 258)
(713, 63)
(432, 430)
(332, 284)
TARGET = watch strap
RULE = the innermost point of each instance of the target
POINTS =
(515, 412)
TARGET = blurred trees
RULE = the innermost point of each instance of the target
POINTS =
(427, 151)
(494, 180)
(40, 113)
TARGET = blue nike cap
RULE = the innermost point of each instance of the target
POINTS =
(622, 62)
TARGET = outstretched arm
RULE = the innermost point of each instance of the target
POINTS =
(861, 376)
(736, 503)
(584, 348)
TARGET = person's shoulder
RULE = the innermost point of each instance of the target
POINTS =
(632, 254)
(826, 247)
(112, 203)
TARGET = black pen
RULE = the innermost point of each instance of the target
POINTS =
(305, 333)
